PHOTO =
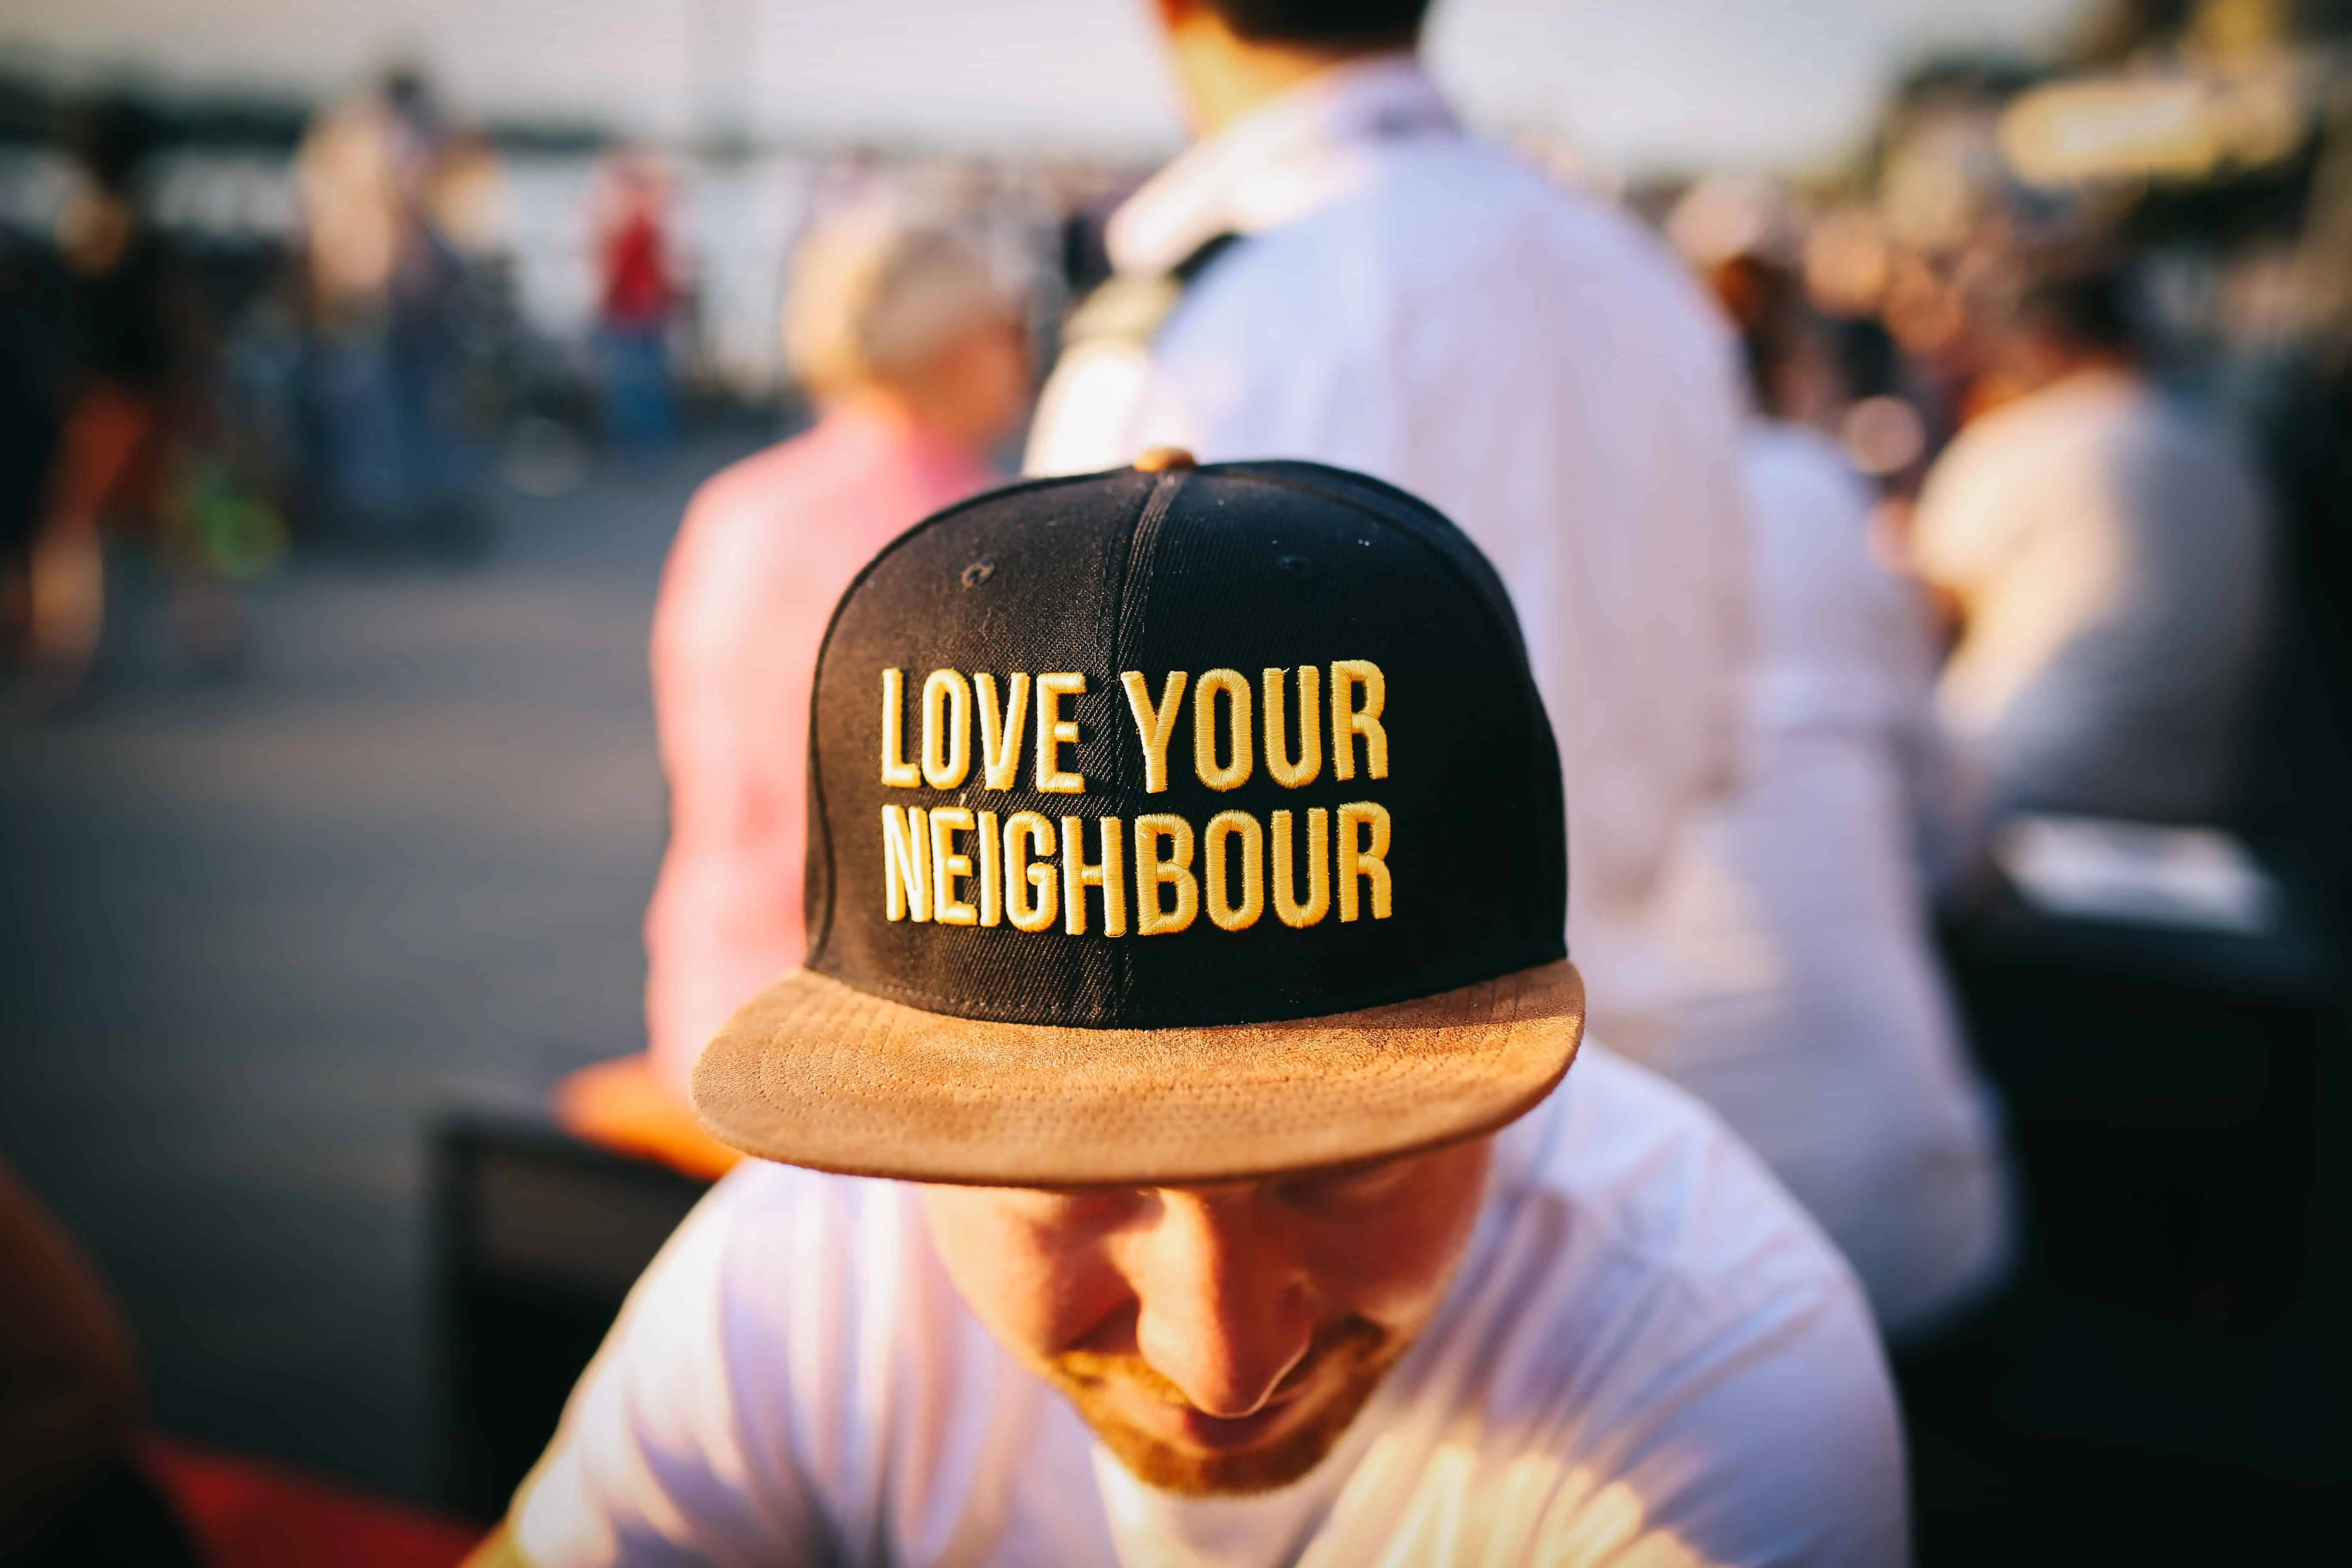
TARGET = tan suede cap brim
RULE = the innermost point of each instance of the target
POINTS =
(811, 1072)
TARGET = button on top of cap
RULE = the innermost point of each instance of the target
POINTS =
(1161, 459)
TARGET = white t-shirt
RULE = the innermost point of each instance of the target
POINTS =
(1649, 1356)
(1415, 303)
(1826, 1036)
(2113, 559)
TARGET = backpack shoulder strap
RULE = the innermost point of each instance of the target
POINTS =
(1131, 310)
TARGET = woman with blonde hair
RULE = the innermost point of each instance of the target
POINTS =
(914, 355)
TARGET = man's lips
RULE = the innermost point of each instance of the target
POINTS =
(1195, 1428)
(1216, 1435)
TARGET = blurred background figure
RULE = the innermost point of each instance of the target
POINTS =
(638, 298)
(135, 383)
(387, 463)
(916, 358)
(2105, 556)
(1337, 269)
(28, 420)
(1830, 1039)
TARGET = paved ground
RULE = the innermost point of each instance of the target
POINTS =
(255, 932)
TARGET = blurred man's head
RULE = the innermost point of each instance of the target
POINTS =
(2072, 320)
(1232, 55)
(1789, 367)
(1219, 1339)
(907, 316)
(110, 143)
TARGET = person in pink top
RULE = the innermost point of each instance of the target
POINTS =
(916, 360)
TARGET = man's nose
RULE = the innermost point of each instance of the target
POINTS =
(1224, 1309)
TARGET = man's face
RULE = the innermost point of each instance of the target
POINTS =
(1218, 1339)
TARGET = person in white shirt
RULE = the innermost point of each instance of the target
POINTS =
(1188, 1217)
(2108, 555)
(1648, 1358)
(1829, 1040)
(1356, 280)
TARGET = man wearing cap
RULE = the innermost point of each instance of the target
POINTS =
(1173, 1160)
(1336, 269)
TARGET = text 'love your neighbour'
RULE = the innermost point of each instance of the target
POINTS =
(958, 866)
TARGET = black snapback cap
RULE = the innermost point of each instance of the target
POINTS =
(1173, 822)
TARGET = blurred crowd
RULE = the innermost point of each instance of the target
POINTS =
(2039, 517)
(219, 342)
(234, 330)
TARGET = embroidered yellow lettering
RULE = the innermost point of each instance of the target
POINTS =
(1154, 871)
(1151, 727)
(948, 867)
(1027, 834)
(906, 864)
(1286, 908)
(1358, 857)
(1288, 773)
(898, 773)
(1109, 874)
(1236, 770)
(947, 729)
(991, 879)
(1053, 732)
(1222, 828)
(1000, 734)
(1348, 721)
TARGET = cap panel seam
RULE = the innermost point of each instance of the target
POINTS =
(1142, 562)
(1135, 566)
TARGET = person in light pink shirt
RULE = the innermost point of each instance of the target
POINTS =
(916, 360)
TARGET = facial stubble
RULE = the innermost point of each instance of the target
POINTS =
(1353, 1353)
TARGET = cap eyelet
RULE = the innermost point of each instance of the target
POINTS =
(979, 571)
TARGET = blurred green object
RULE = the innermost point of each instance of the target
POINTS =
(225, 524)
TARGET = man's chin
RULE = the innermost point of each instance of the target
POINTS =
(1287, 1453)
